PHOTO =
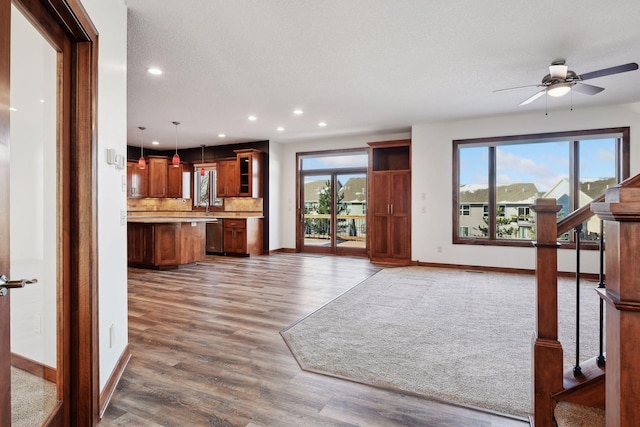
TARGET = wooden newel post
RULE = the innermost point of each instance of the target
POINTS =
(621, 213)
(547, 363)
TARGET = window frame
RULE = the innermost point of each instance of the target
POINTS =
(622, 168)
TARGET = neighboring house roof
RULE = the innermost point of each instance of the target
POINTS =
(595, 187)
(312, 190)
(589, 189)
(354, 190)
(524, 192)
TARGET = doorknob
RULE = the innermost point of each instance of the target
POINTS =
(5, 284)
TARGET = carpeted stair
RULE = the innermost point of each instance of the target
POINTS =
(573, 415)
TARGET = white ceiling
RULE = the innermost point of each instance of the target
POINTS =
(362, 66)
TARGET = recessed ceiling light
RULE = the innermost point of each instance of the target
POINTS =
(155, 143)
(12, 109)
(280, 129)
(42, 101)
(221, 135)
(298, 112)
(322, 124)
(252, 118)
(154, 71)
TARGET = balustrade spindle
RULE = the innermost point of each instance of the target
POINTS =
(577, 370)
(601, 359)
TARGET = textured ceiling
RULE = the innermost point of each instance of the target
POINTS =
(362, 66)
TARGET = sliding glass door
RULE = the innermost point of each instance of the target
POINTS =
(333, 203)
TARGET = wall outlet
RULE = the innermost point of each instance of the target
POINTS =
(37, 323)
(111, 335)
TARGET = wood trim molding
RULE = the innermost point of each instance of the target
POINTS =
(481, 268)
(34, 368)
(282, 251)
(114, 379)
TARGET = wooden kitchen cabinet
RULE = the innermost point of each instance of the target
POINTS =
(243, 236)
(249, 173)
(227, 178)
(137, 180)
(157, 166)
(390, 202)
(165, 245)
(174, 181)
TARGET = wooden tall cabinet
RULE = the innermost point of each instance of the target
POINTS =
(390, 202)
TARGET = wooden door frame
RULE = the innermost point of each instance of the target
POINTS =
(299, 228)
(78, 374)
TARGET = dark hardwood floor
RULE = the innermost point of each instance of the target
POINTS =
(206, 351)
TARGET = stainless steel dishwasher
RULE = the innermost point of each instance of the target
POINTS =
(215, 236)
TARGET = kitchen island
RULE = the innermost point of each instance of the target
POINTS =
(167, 242)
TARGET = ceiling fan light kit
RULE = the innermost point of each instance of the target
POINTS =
(559, 89)
(561, 80)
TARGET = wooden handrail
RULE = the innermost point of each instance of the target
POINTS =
(579, 216)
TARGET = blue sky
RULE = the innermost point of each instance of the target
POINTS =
(544, 164)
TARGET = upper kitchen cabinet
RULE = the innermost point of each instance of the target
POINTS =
(227, 178)
(174, 181)
(159, 179)
(249, 172)
(137, 180)
(158, 176)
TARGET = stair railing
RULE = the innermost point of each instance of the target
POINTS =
(548, 363)
(622, 210)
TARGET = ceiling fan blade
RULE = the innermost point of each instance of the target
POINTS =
(534, 97)
(587, 89)
(608, 71)
(514, 88)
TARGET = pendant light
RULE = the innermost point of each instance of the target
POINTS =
(176, 159)
(202, 171)
(142, 163)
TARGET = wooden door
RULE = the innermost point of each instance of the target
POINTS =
(47, 219)
(379, 210)
(399, 226)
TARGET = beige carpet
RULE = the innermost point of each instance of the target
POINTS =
(32, 398)
(454, 335)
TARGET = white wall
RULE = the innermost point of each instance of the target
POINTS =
(275, 195)
(287, 184)
(432, 176)
(432, 181)
(110, 19)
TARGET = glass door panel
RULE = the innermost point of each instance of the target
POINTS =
(317, 207)
(33, 223)
(351, 210)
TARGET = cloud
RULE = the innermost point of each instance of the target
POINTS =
(542, 171)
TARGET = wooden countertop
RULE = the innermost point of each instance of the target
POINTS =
(159, 219)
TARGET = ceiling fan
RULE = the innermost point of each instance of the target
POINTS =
(561, 80)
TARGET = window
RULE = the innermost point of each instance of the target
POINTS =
(498, 179)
